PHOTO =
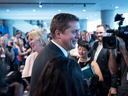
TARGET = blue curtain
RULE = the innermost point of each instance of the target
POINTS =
(4, 29)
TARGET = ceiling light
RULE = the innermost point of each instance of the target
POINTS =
(84, 10)
(34, 10)
(7, 10)
(116, 7)
(40, 6)
(44, 23)
(59, 10)
(86, 17)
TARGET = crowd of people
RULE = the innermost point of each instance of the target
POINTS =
(65, 62)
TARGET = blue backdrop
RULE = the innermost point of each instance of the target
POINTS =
(4, 29)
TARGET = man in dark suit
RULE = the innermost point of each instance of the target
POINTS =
(104, 58)
(65, 33)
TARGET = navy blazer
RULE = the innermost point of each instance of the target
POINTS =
(47, 53)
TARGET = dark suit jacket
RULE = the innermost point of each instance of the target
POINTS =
(47, 53)
(102, 61)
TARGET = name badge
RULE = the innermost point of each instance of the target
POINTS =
(2, 55)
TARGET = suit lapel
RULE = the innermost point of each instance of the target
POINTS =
(56, 48)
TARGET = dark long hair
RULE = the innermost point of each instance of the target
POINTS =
(61, 77)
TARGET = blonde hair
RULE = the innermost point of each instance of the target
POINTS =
(39, 35)
(5, 39)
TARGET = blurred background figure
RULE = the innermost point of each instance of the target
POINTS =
(61, 77)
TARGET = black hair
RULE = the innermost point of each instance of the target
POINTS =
(84, 44)
(0, 32)
(61, 77)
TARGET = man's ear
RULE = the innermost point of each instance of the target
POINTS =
(57, 33)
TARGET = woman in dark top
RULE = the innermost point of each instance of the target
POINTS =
(84, 60)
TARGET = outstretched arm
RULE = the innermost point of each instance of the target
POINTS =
(97, 70)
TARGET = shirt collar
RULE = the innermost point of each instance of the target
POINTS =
(61, 48)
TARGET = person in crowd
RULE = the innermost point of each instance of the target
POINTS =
(21, 51)
(65, 33)
(11, 50)
(37, 42)
(17, 36)
(86, 36)
(0, 34)
(6, 35)
(6, 54)
(25, 40)
(122, 60)
(16, 86)
(61, 76)
(49, 38)
(104, 58)
(83, 50)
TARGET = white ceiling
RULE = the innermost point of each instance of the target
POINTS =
(24, 11)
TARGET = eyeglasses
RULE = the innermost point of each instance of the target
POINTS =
(99, 32)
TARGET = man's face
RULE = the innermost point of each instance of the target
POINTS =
(100, 33)
(71, 35)
(6, 35)
(84, 35)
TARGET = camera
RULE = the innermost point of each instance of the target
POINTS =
(11, 43)
(14, 76)
(111, 42)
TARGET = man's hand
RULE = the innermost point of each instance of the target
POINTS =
(112, 91)
(121, 44)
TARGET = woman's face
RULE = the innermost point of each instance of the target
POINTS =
(34, 43)
(20, 42)
(83, 52)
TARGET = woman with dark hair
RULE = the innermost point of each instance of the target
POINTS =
(61, 77)
(84, 60)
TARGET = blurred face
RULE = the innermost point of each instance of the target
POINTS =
(71, 35)
(100, 32)
(34, 43)
(84, 35)
(83, 52)
(45, 31)
(20, 42)
(3, 43)
(6, 35)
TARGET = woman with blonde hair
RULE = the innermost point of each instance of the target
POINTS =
(37, 41)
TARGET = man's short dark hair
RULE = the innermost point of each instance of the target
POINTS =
(61, 22)
(102, 26)
(17, 31)
(0, 32)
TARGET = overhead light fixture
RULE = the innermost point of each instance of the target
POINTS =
(116, 7)
(86, 17)
(40, 4)
(7, 10)
(34, 10)
(59, 10)
(84, 10)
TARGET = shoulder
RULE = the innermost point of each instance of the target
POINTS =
(94, 63)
